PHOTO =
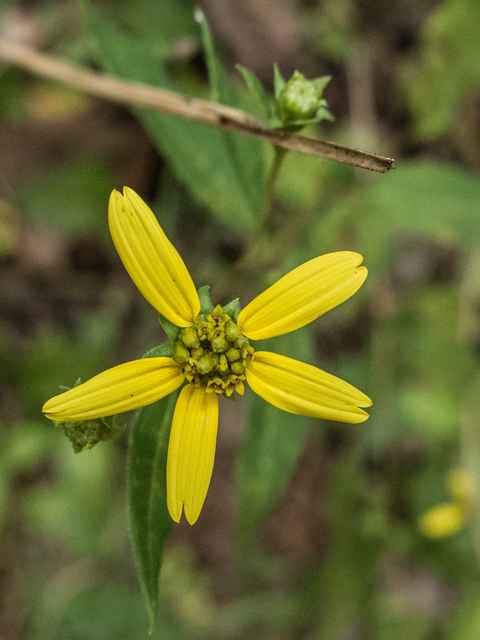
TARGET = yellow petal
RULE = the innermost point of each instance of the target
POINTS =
(302, 295)
(443, 520)
(122, 388)
(191, 451)
(151, 260)
(300, 388)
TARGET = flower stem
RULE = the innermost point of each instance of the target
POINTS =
(249, 252)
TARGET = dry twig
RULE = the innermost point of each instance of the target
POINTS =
(210, 113)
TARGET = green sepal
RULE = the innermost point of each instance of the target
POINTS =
(278, 81)
(256, 88)
(64, 387)
(233, 308)
(172, 331)
(295, 125)
(321, 82)
(150, 522)
(206, 305)
(164, 350)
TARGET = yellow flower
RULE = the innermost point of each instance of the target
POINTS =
(214, 354)
(449, 517)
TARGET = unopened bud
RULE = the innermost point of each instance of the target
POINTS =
(233, 354)
(219, 344)
(190, 338)
(232, 332)
(237, 368)
(181, 353)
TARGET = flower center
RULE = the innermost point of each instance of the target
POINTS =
(214, 353)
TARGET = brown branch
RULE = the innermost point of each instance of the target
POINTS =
(210, 113)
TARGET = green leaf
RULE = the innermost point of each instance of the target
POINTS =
(197, 153)
(272, 443)
(163, 24)
(245, 153)
(436, 200)
(447, 68)
(172, 331)
(255, 86)
(150, 521)
(164, 350)
(433, 200)
(233, 309)
(206, 305)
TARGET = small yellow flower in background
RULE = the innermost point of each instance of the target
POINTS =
(449, 517)
(214, 354)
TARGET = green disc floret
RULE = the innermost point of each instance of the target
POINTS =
(219, 344)
(213, 352)
(233, 354)
(237, 368)
(232, 332)
(190, 338)
(197, 353)
(181, 353)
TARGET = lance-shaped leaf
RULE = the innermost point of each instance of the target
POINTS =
(150, 522)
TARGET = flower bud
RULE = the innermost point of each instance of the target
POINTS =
(237, 368)
(298, 100)
(197, 353)
(219, 344)
(190, 338)
(181, 353)
(232, 332)
(206, 363)
(241, 343)
(233, 354)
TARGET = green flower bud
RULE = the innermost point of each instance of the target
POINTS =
(181, 353)
(206, 363)
(190, 338)
(237, 368)
(241, 343)
(198, 353)
(219, 344)
(233, 354)
(232, 332)
(299, 101)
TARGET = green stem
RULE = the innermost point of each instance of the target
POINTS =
(278, 159)
(249, 251)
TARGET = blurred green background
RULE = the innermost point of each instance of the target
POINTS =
(315, 534)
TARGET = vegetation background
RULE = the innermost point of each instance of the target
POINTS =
(331, 550)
